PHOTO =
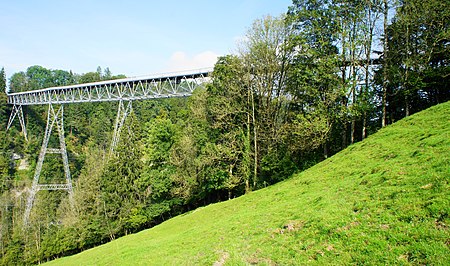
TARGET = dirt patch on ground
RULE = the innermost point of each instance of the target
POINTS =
(223, 258)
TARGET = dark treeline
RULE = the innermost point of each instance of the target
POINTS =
(300, 88)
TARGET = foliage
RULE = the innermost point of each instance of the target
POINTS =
(119, 190)
(3, 99)
(384, 200)
(417, 63)
(5, 153)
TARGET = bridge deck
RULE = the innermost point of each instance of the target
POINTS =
(180, 84)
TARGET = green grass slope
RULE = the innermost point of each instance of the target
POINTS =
(385, 200)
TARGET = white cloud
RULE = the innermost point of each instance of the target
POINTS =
(180, 61)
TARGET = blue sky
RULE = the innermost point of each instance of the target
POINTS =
(130, 37)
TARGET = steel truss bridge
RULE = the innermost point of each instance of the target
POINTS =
(124, 91)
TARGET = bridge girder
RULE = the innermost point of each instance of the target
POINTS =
(129, 89)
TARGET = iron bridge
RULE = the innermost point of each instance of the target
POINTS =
(125, 91)
(179, 84)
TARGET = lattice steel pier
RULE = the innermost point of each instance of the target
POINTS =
(54, 118)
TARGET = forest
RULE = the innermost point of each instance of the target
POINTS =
(300, 87)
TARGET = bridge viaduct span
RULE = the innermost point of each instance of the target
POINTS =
(124, 91)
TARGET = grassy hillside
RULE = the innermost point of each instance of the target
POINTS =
(385, 200)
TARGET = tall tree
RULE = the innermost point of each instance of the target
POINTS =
(349, 16)
(4, 145)
(89, 211)
(90, 77)
(3, 99)
(266, 57)
(315, 85)
(373, 12)
(119, 183)
(156, 183)
(416, 64)
(385, 63)
(231, 111)
(18, 82)
(39, 77)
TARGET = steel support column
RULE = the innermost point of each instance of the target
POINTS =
(53, 118)
(122, 113)
(17, 110)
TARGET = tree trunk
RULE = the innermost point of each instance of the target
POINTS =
(247, 151)
(353, 75)
(364, 130)
(407, 105)
(344, 135)
(368, 49)
(406, 86)
(343, 80)
(255, 142)
(365, 93)
(385, 64)
(352, 135)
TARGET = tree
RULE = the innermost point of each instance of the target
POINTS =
(385, 63)
(373, 12)
(207, 163)
(4, 143)
(90, 77)
(39, 77)
(266, 57)
(119, 183)
(156, 182)
(350, 21)
(315, 85)
(416, 70)
(230, 109)
(62, 78)
(107, 75)
(3, 99)
(18, 82)
(5, 162)
(2, 80)
(89, 211)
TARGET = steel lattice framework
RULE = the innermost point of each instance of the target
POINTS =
(180, 84)
(54, 118)
(129, 89)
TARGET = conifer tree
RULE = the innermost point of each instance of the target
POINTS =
(119, 188)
